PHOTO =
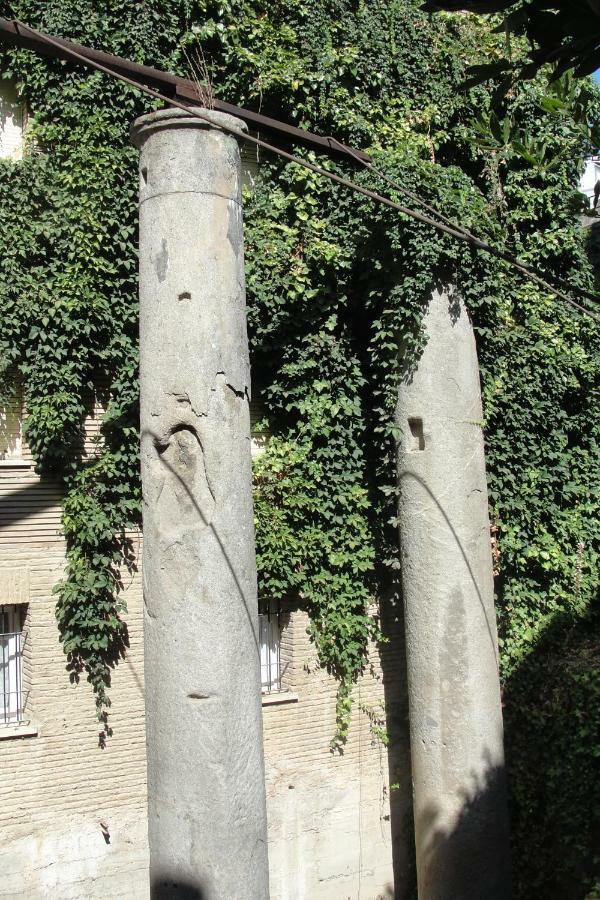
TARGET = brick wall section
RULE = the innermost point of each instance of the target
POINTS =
(336, 829)
(58, 786)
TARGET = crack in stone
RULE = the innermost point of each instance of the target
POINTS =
(183, 397)
(242, 395)
(150, 614)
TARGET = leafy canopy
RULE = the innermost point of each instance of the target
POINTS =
(564, 33)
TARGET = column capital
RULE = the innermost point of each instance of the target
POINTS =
(173, 117)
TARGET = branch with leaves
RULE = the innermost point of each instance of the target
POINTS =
(562, 33)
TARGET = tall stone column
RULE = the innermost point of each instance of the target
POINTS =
(206, 793)
(451, 643)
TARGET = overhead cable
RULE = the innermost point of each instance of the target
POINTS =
(444, 226)
(502, 254)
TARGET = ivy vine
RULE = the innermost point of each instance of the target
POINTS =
(333, 281)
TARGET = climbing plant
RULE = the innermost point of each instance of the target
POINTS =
(333, 282)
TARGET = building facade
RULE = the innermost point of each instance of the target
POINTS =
(73, 812)
(73, 816)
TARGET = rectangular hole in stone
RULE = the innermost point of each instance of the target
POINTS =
(417, 438)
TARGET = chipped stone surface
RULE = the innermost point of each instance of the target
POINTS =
(451, 642)
(207, 819)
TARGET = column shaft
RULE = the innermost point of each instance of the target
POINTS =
(206, 795)
(451, 642)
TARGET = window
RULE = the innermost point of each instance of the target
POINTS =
(259, 424)
(11, 122)
(12, 643)
(11, 416)
(250, 163)
(258, 435)
(590, 180)
(269, 638)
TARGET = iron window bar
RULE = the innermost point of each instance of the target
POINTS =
(270, 649)
(13, 696)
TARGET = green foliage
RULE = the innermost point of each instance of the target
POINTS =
(69, 283)
(565, 32)
(335, 285)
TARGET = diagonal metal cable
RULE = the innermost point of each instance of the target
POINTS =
(450, 229)
(399, 187)
(508, 257)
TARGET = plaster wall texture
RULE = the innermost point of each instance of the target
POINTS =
(451, 642)
(206, 795)
(56, 785)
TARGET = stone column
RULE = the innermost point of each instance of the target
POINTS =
(451, 643)
(206, 792)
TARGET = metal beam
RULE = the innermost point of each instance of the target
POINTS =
(171, 85)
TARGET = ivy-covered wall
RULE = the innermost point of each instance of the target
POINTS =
(334, 282)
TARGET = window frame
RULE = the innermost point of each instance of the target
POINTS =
(13, 451)
(13, 113)
(13, 637)
(269, 639)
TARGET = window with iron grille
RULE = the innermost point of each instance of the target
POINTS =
(250, 163)
(270, 638)
(12, 642)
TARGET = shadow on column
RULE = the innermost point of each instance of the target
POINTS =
(393, 665)
(457, 856)
(170, 887)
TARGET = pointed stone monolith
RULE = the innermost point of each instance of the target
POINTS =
(451, 643)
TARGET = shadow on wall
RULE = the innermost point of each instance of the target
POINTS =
(393, 665)
(27, 501)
